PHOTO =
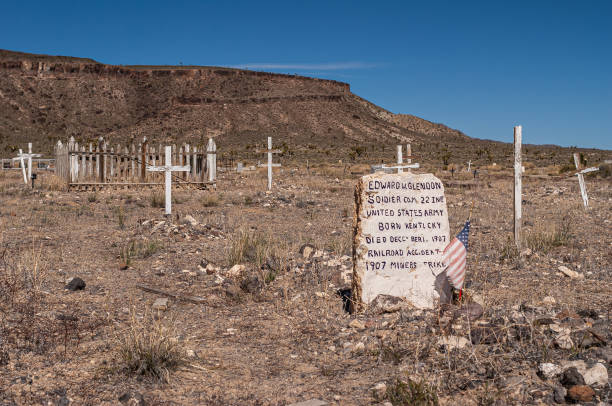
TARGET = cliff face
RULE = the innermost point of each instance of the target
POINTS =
(45, 98)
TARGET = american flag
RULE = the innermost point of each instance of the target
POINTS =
(455, 255)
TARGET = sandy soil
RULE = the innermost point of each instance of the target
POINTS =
(277, 333)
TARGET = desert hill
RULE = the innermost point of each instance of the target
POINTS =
(45, 98)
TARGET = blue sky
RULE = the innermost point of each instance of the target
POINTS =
(480, 67)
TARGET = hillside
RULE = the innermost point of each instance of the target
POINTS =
(46, 98)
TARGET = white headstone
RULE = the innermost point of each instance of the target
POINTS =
(400, 235)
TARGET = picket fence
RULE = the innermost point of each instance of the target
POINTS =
(122, 166)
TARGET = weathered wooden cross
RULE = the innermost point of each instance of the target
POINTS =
(29, 156)
(580, 174)
(469, 165)
(168, 169)
(211, 159)
(270, 151)
(400, 161)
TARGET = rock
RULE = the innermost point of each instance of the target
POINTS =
(379, 389)
(252, 284)
(472, 311)
(526, 252)
(188, 219)
(548, 370)
(311, 402)
(579, 364)
(75, 284)
(568, 272)
(571, 377)
(452, 342)
(386, 304)
(549, 300)
(580, 393)
(307, 250)
(356, 324)
(158, 226)
(212, 269)
(605, 354)
(236, 271)
(559, 394)
(161, 303)
(596, 375)
(564, 341)
(359, 347)
(132, 399)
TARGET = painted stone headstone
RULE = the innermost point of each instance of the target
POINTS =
(401, 231)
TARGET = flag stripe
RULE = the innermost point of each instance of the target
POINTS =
(455, 257)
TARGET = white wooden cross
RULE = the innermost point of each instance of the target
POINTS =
(583, 192)
(400, 161)
(211, 159)
(469, 165)
(168, 169)
(29, 156)
(270, 151)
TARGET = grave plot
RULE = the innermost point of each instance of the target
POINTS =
(107, 166)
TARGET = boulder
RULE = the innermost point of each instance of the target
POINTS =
(75, 283)
(580, 393)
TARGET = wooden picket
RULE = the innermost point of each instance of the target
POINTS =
(124, 167)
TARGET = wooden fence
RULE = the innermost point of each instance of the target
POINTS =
(106, 165)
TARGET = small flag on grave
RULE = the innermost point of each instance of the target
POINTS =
(455, 256)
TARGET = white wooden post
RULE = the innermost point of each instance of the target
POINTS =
(400, 159)
(269, 163)
(408, 153)
(469, 165)
(517, 186)
(211, 159)
(23, 168)
(168, 169)
(29, 160)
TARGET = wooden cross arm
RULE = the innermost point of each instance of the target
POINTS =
(410, 166)
(587, 170)
(168, 168)
(27, 156)
(266, 165)
(266, 151)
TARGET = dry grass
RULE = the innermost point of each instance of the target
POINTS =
(545, 237)
(249, 247)
(148, 347)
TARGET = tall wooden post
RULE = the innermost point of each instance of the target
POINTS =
(400, 159)
(408, 154)
(517, 186)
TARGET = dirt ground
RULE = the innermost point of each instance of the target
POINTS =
(276, 332)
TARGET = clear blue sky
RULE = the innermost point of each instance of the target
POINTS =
(481, 67)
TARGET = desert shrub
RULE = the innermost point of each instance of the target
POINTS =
(412, 393)
(211, 200)
(92, 198)
(150, 348)
(249, 247)
(544, 238)
(139, 249)
(120, 214)
(157, 199)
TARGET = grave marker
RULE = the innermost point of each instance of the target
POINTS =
(517, 186)
(401, 232)
(211, 159)
(580, 174)
(270, 151)
(168, 169)
(29, 156)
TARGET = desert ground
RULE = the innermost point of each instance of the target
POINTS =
(274, 330)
